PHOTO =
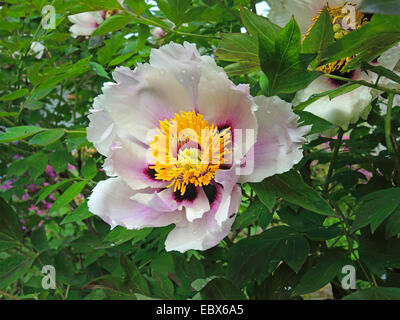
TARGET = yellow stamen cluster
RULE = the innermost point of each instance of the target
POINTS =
(339, 17)
(187, 150)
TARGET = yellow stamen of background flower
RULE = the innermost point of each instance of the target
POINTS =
(187, 150)
(338, 16)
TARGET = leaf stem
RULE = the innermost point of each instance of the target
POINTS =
(334, 158)
(361, 82)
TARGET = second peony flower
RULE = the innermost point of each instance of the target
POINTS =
(179, 138)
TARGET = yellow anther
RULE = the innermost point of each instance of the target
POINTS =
(337, 27)
(188, 150)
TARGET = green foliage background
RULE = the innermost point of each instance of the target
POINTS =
(294, 231)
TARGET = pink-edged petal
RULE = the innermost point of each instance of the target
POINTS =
(183, 62)
(111, 201)
(226, 105)
(85, 23)
(143, 97)
(194, 201)
(130, 161)
(160, 200)
(279, 140)
(203, 233)
(101, 130)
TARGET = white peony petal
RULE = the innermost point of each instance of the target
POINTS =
(279, 140)
(341, 110)
(111, 201)
(85, 23)
(143, 97)
(204, 233)
(128, 160)
(101, 130)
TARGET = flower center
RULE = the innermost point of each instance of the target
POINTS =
(345, 18)
(188, 150)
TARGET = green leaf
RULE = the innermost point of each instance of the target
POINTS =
(112, 24)
(302, 221)
(291, 187)
(221, 289)
(379, 254)
(375, 293)
(39, 239)
(383, 6)
(296, 252)
(175, 10)
(89, 170)
(37, 164)
(250, 215)
(13, 268)
(321, 273)
(19, 133)
(47, 137)
(259, 25)
(321, 34)
(318, 124)
(365, 43)
(375, 208)
(324, 233)
(134, 276)
(283, 64)
(68, 195)
(121, 235)
(254, 258)
(49, 189)
(238, 48)
(99, 70)
(10, 227)
(14, 95)
(265, 194)
(79, 214)
(392, 226)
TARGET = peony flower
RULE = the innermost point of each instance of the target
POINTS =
(85, 23)
(349, 107)
(179, 138)
(37, 48)
(157, 33)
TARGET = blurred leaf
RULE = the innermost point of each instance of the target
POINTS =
(39, 239)
(99, 70)
(68, 195)
(47, 137)
(14, 95)
(19, 133)
(79, 214)
(383, 6)
(13, 268)
(89, 169)
(10, 227)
